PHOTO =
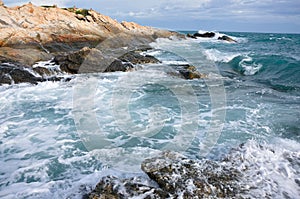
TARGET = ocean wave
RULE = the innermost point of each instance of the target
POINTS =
(218, 56)
(269, 169)
(217, 35)
(280, 38)
(249, 67)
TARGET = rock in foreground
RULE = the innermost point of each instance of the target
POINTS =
(175, 176)
(250, 171)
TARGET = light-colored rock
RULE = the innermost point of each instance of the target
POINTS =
(58, 24)
(52, 30)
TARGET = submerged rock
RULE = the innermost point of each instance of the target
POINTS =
(189, 72)
(226, 38)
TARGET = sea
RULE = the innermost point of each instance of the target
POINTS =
(57, 139)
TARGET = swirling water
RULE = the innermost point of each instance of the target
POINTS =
(49, 133)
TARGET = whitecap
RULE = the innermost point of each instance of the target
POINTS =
(218, 56)
(249, 67)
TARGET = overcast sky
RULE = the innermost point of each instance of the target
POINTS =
(221, 15)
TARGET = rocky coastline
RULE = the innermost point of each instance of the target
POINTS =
(78, 40)
(81, 41)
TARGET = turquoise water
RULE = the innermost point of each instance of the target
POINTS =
(58, 138)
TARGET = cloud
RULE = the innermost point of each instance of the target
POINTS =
(193, 13)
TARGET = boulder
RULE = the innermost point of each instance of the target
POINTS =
(93, 60)
(13, 73)
(226, 38)
(206, 35)
(173, 176)
(72, 61)
(188, 71)
(178, 175)
(191, 36)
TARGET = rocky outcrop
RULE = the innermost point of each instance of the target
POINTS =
(175, 176)
(128, 61)
(14, 73)
(31, 33)
(188, 71)
(94, 58)
(205, 35)
(210, 35)
(251, 170)
(226, 38)
(79, 40)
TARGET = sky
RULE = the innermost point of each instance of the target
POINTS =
(269, 16)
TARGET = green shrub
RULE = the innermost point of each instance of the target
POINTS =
(84, 12)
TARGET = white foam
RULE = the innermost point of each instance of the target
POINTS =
(217, 35)
(175, 62)
(52, 67)
(249, 67)
(270, 169)
(218, 56)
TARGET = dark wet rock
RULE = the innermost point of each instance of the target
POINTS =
(191, 36)
(226, 38)
(119, 65)
(14, 73)
(188, 71)
(97, 62)
(127, 61)
(206, 35)
(45, 72)
(70, 62)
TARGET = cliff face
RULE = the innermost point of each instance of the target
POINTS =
(44, 31)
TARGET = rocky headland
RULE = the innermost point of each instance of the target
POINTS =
(78, 40)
